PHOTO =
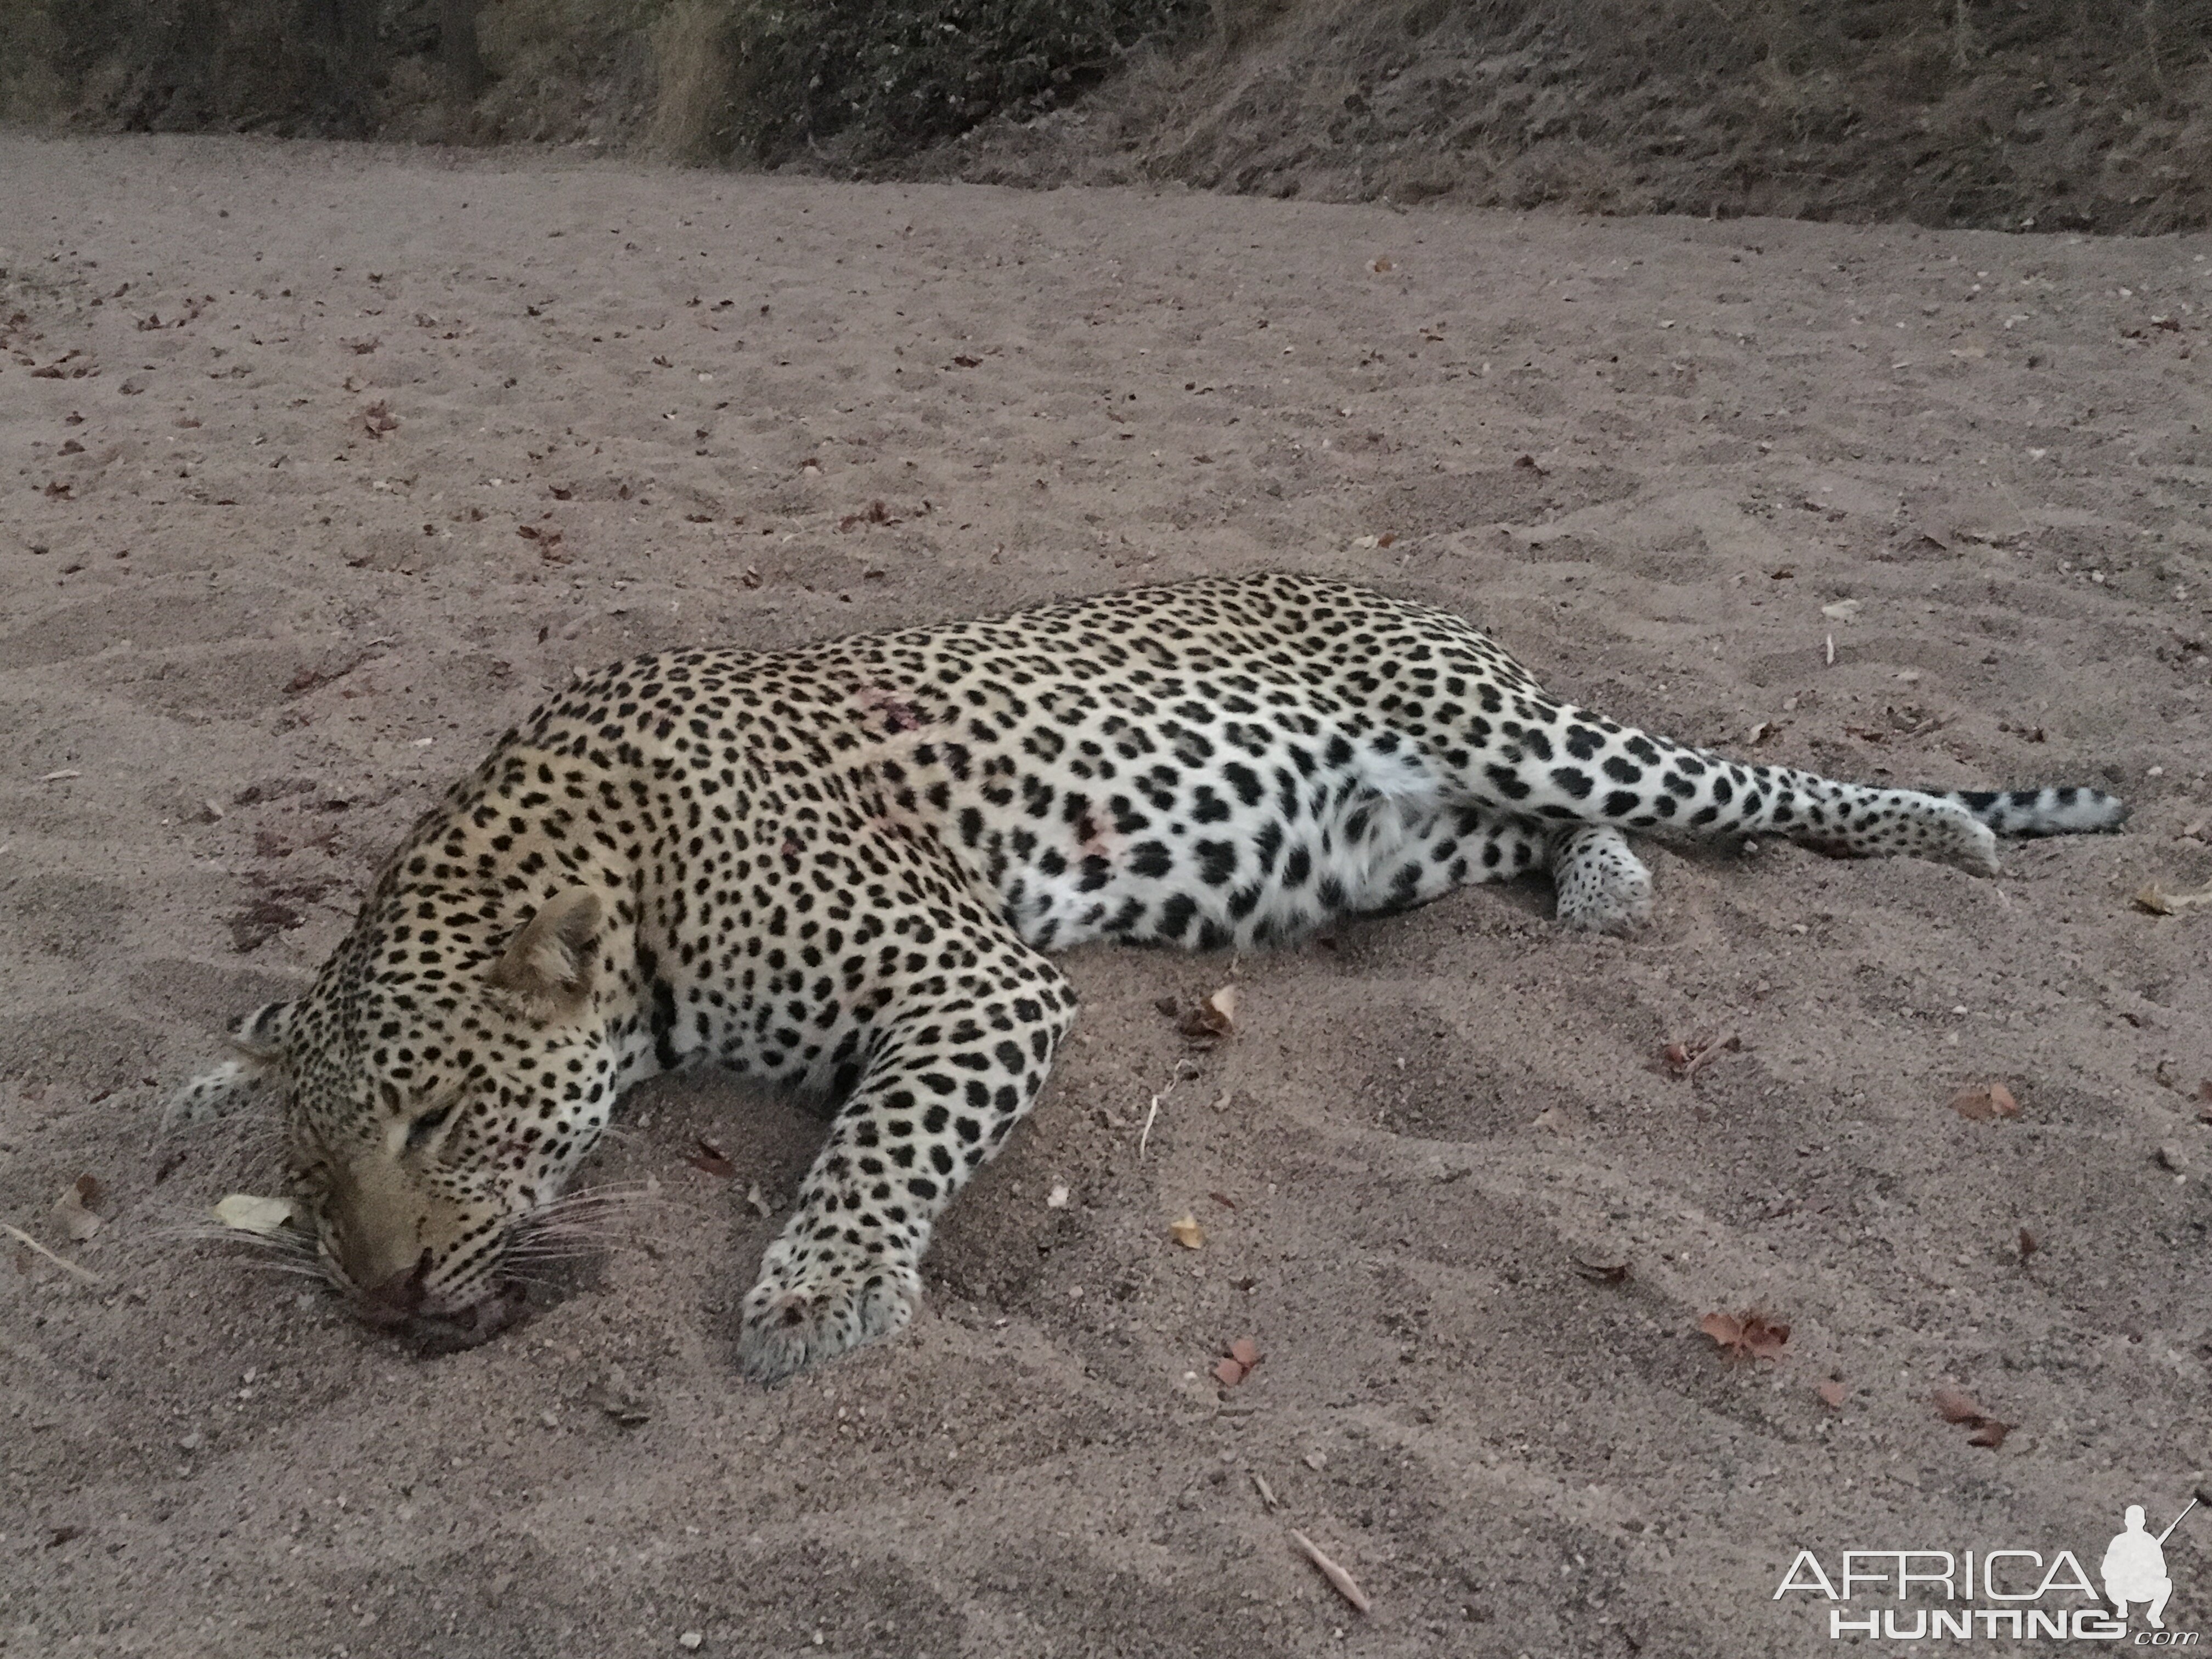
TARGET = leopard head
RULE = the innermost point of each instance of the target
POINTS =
(438, 1094)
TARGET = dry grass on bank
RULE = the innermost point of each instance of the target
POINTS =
(2086, 114)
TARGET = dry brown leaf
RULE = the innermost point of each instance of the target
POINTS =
(1957, 1406)
(2027, 1244)
(377, 419)
(874, 513)
(1834, 1392)
(710, 1157)
(1215, 1015)
(1380, 267)
(1747, 1335)
(74, 1208)
(1188, 1233)
(1983, 1103)
(2159, 902)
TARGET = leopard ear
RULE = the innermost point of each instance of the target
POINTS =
(551, 959)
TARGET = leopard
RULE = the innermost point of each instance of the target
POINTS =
(846, 868)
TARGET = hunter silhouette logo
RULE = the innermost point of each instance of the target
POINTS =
(2134, 1567)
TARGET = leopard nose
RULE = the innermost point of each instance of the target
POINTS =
(398, 1299)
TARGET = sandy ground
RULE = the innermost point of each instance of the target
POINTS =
(269, 584)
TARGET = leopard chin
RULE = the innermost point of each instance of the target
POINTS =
(403, 1307)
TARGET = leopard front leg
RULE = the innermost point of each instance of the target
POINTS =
(959, 1062)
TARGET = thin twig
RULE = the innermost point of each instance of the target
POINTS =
(2027, 525)
(1266, 1491)
(1716, 1046)
(1145, 1135)
(63, 1262)
(1339, 1580)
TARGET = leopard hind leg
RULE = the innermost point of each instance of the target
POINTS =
(1602, 886)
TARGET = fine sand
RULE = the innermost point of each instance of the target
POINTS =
(353, 454)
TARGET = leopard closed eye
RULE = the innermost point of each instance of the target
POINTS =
(842, 867)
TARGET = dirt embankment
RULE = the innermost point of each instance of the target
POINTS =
(2049, 113)
(2003, 115)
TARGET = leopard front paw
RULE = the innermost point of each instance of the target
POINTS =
(815, 1302)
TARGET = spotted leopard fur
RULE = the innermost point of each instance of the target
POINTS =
(842, 867)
